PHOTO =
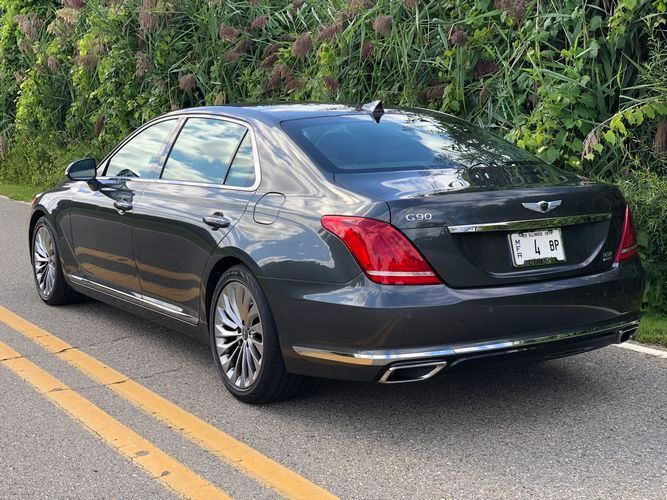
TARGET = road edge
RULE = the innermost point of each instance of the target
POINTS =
(637, 347)
(12, 199)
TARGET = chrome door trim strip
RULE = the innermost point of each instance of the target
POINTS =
(384, 357)
(517, 225)
(138, 299)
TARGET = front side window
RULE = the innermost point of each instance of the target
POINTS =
(138, 157)
(204, 150)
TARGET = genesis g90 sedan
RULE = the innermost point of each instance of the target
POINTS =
(329, 240)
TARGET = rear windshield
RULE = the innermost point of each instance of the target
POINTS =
(400, 141)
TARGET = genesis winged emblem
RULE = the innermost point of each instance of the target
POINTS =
(542, 206)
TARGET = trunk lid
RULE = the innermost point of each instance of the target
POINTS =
(462, 219)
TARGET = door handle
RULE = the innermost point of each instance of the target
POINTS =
(123, 206)
(217, 220)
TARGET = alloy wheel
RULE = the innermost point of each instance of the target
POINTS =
(238, 335)
(44, 260)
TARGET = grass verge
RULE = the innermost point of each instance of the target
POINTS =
(19, 191)
(653, 330)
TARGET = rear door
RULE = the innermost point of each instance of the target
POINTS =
(203, 189)
(102, 210)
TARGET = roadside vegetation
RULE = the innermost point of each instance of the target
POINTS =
(582, 84)
(653, 330)
(18, 191)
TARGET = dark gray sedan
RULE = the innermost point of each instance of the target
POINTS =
(338, 241)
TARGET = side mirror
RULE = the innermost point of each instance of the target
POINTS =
(82, 170)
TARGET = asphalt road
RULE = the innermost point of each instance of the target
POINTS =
(590, 426)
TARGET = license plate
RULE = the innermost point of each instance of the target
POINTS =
(537, 248)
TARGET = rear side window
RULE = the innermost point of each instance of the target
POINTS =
(140, 155)
(204, 150)
(242, 171)
(400, 141)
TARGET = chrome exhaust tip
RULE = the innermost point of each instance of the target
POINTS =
(412, 372)
(627, 332)
(625, 335)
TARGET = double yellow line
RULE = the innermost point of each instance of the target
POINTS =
(209, 437)
(127, 442)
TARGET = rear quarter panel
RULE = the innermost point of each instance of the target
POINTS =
(294, 245)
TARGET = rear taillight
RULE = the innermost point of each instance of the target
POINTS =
(382, 251)
(628, 245)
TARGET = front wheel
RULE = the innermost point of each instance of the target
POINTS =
(47, 271)
(245, 342)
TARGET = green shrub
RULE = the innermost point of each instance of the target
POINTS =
(47, 156)
(544, 73)
(646, 193)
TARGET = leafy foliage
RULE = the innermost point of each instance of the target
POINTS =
(582, 84)
(47, 157)
(646, 192)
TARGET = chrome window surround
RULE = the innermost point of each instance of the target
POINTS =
(181, 119)
(386, 356)
(518, 225)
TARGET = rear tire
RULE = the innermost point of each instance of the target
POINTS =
(244, 341)
(46, 268)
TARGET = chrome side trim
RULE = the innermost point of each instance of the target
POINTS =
(518, 225)
(138, 299)
(384, 357)
(629, 327)
(379, 357)
(437, 367)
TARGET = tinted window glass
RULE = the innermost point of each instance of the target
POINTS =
(356, 143)
(203, 150)
(138, 157)
(242, 171)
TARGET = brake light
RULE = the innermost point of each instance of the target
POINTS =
(628, 245)
(383, 252)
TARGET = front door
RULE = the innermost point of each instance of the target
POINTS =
(102, 210)
(204, 188)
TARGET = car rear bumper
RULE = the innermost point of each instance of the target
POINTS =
(364, 331)
(410, 365)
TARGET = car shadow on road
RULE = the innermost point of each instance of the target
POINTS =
(542, 395)
(475, 401)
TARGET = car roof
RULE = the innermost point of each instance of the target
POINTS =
(274, 113)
